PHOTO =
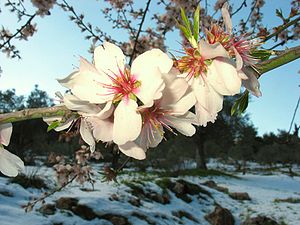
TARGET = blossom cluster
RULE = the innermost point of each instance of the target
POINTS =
(134, 106)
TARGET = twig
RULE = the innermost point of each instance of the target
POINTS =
(138, 33)
(282, 28)
(36, 113)
(18, 31)
(294, 115)
(30, 205)
(244, 3)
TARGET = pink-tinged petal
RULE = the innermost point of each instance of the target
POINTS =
(133, 150)
(252, 84)
(204, 116)
(227, 18)
(74, 103)
(182, 125)
(211, 51)
(127, 122)
(150, 60)
(10, 164)
(223, 77)
(175, 88)
(207, 97)
(151, 87)
(106, 111)
(183, 105)
(238, 59)
(102, 129)
(69, 82)
(86, 134)
(150, 136)
(5, 133)
(242, 75)
(109, 58)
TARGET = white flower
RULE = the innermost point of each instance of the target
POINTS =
(171, 111)
(109, 80)
(95, 122)
(10, 164)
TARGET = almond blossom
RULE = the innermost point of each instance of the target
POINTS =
(10, 164)
(93, 124)
(168, 112)
(109, 80)
(211, 75)
(239, 47)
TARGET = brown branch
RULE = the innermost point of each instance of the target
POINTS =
(244, 3)
(18, 31)
(138, 33)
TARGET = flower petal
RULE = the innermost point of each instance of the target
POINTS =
(109, 58)
(227, 18)
(182, 125)
(102, 129)
(133, 150)
(223, 77)
(10, 164)
(86, 134)
(150, 60)
(211, 51)
(183, 105)
(204, 116)
(5, 133)
(127, 122)
(251, 83)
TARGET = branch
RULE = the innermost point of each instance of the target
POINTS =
(36, 113)
(139, 31)
(283, 58)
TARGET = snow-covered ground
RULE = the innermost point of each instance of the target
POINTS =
(118, 199)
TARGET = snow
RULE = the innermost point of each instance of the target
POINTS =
(262, 189)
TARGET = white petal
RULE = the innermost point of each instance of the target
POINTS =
(102, 129)
(132, 150)
(10, 164)
(238, 59)
(86, 134)
(5, 133)
(151, 87)
(175, 88)
(150, 136)
(109, 58)
(252, 83)
(211, 51)
(227, 18)
(182, 125)
(223, 77)
(204, 116)
(207, 97)
(127, 122)
(183, 105)
(151, 60)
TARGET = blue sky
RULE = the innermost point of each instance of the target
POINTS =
(53, 52)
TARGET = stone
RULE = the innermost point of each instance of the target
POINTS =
(66, 203)
(240, 196)
(260, 220)
(47, 209)
(220, 216)
(115, 219)
(84, 212)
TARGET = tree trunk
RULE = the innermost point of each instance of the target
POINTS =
(200, 154)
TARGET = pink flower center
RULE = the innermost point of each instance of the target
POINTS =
(124, 85)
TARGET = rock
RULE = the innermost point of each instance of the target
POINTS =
(260, 220)
(135, 202)
(142, 216)
(114, 197)
(179, 189)
(240, 196)
(66, 203)
(181, 213)
(6, 193)
(220, 216)
(210, 184)
(222, 189)
(163, 198)
(47, 209)
(84, 212)
(115, 219)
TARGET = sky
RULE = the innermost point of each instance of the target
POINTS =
(53, 52)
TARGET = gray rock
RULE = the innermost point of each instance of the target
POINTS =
(240, 196)
(220, 216)
(47, 209)
(260, 220)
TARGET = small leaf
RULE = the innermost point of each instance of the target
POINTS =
(241, 104)
(261, 54)
(53, 125)
(234, 108)
(196, 23)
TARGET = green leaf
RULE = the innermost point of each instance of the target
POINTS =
(185, 20)
(53, 125)
(196, 25)
(261, 54)
(241, 104)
